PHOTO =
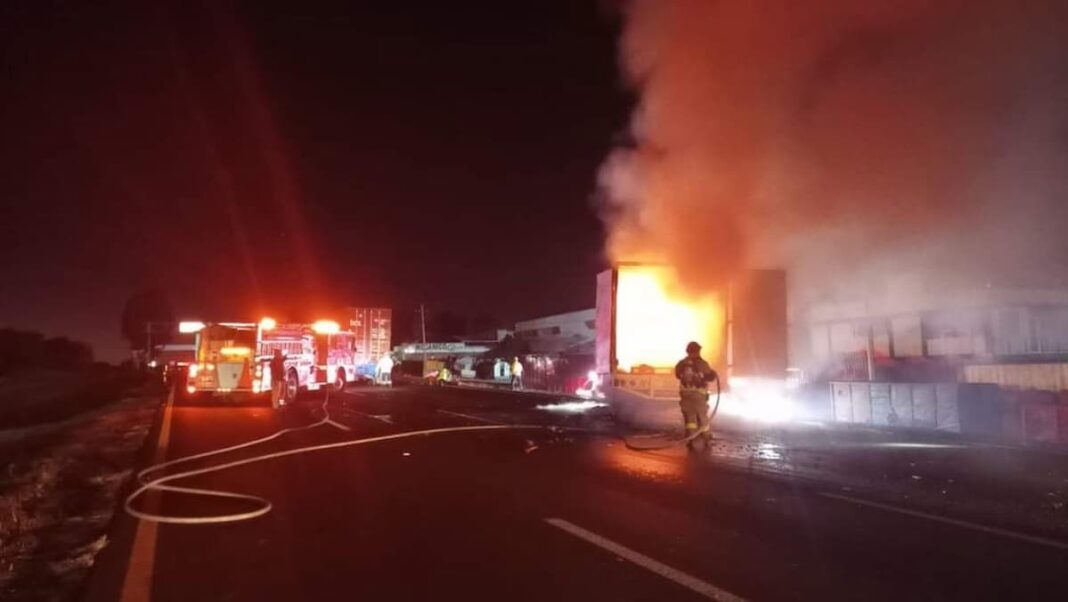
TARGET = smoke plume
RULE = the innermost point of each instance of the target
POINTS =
(843, 140)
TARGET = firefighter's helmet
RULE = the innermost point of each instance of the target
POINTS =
(693, 347)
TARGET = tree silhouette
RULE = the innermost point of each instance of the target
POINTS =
(147, 311)
(19, 349)
(22, 349)
(64, 353)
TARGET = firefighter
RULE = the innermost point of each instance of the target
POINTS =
(278, 378)
(694, 376)
(517, 374)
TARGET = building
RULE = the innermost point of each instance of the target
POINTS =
(572, 332)
(558, 349)
(934, 334)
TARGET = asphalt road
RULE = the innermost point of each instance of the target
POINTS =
(534, 514)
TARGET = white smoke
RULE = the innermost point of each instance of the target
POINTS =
(843, 140)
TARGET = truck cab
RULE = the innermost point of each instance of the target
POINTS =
(224, 359)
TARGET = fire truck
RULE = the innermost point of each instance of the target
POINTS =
(234, 357)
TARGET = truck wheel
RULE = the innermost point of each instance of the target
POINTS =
(339, 380)
(292, 386)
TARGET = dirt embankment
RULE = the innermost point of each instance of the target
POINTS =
(58, 494)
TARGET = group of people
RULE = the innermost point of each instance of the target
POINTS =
(384, 372)
(277, 366)
(693, 373)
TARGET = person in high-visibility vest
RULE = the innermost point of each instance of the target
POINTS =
(444, 376)
(517, 374)
(694, 376)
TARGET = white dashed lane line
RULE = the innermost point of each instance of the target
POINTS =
(469, 417)
(684, 579)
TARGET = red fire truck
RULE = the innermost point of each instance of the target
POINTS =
(234, 357)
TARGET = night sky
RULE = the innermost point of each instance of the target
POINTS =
(259, 159)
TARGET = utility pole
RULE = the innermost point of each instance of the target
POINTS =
(422, 320)
(869, 349)
(148, 342)
(150, 326)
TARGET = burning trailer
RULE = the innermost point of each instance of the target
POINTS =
(645, 318)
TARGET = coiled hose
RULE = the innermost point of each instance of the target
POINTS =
(263, 506)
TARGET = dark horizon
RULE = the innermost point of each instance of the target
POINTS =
(252, 160)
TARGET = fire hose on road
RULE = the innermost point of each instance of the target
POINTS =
(263, 505)
(659, 441)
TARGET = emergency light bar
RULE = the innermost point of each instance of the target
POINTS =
(326, 327)
(190, 327)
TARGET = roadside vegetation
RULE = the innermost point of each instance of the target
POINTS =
(71, 431)
(51, 379)
(59, 490)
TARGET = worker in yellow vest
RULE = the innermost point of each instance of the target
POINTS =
(517, 374)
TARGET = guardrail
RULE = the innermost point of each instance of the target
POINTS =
(908, 405)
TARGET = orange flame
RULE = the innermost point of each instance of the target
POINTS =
(655, 319)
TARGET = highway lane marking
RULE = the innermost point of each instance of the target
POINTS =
(384, 418)
(469, 417)
(684, 579)
(137, 583)
(1043, 541)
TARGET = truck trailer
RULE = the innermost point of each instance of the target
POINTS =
(645, 318)
(372, 328)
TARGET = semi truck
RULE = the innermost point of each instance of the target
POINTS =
(372, 329)
(645, 318)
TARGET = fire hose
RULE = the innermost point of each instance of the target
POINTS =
(263, 505)
(635, 442)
